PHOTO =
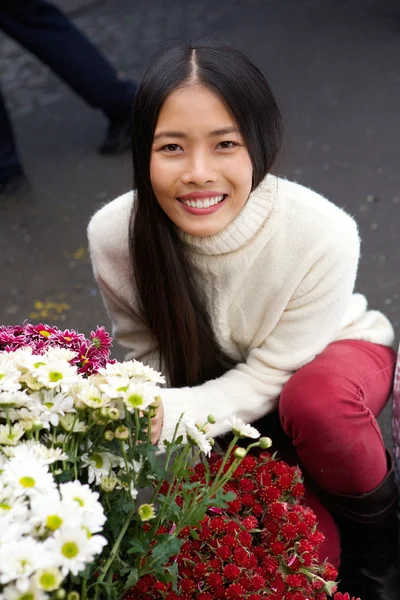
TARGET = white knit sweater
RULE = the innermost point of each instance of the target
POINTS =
(279, 282)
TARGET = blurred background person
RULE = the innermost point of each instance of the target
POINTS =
(46, 32)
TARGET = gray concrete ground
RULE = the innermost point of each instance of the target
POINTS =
(334, 65)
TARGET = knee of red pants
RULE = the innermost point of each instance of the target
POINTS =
(311, 398)
(330, 548)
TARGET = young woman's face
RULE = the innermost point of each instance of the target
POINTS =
(200, 168)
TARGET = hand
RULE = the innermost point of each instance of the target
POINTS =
(157, 423)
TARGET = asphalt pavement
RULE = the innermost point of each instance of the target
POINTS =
(335, 68)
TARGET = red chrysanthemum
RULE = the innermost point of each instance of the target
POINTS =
(231, 572)
(250, 522)
(224, 552)
(235, 590)
(270, 494)
(241, 556)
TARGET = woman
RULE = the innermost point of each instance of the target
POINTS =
(239, 286)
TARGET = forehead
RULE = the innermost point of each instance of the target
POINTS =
(194, 106)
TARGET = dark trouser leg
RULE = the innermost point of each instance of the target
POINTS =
(10, 164)
(46, 32)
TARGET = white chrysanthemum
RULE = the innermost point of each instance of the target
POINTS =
(72, 549)
(10, 435)
(139, 396)
(92, 396)
(9, 374)
(14, 399)
(20, 559)
(85, 501)
(12, 531)
(57, 405)
(13, 508)
(63, 354)
(195, 436)
(242, 429)
(28, 477)
(49, 579)
(33, 592)
(132, 369)
(99, 463)
(114, 385)
(25, 359)
(71, 423)
(57, 373)
(32, 448)
(50, 512)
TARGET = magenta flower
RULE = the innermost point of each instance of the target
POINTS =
(91, 354)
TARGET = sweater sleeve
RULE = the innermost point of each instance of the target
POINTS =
(308, 324)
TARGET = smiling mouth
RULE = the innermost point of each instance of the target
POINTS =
(204, 202)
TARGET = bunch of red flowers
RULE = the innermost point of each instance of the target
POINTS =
(91, 354)
(263, 545)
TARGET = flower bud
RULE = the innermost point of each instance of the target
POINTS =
(37, 425)
(240, 452)
(109, 435)
(265, 443)
(98, 418)
(113, 413)
(121, 433)
(61, 594)
(104, 412)
(27, 424)
(146, 512)
(107, 484)
(211, 419)
(73, 596)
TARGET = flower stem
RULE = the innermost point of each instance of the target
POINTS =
(114, 550)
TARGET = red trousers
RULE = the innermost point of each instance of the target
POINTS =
(327, 411)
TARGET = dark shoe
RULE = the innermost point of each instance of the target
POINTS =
(369, 530)
(118, 138)
(13, 185)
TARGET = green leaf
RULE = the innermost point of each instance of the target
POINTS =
(166, 546)
(132, 579)
(136, 547)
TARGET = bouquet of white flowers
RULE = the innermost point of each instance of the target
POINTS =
(75, 448)
(48, 531)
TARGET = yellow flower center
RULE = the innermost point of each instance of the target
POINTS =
(79, 501)
(54, 522)
(135, 400)
(4, 506)
(44, 333)
(27, 482)
(54, 376)
(70, 550)
(48, 581)
(27, 596)
(98, 460)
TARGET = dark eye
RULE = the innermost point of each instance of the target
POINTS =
(227, 145)
(171, 148)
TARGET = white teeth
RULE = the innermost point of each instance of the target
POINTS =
(205, 203)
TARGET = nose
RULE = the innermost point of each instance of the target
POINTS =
(199, 169)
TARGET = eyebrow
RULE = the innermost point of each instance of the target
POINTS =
(180, 134)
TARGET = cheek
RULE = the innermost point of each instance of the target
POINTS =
(162, 176)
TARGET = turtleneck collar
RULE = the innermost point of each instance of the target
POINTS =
(244, 227)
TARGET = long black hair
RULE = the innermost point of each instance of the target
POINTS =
(171, 304)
